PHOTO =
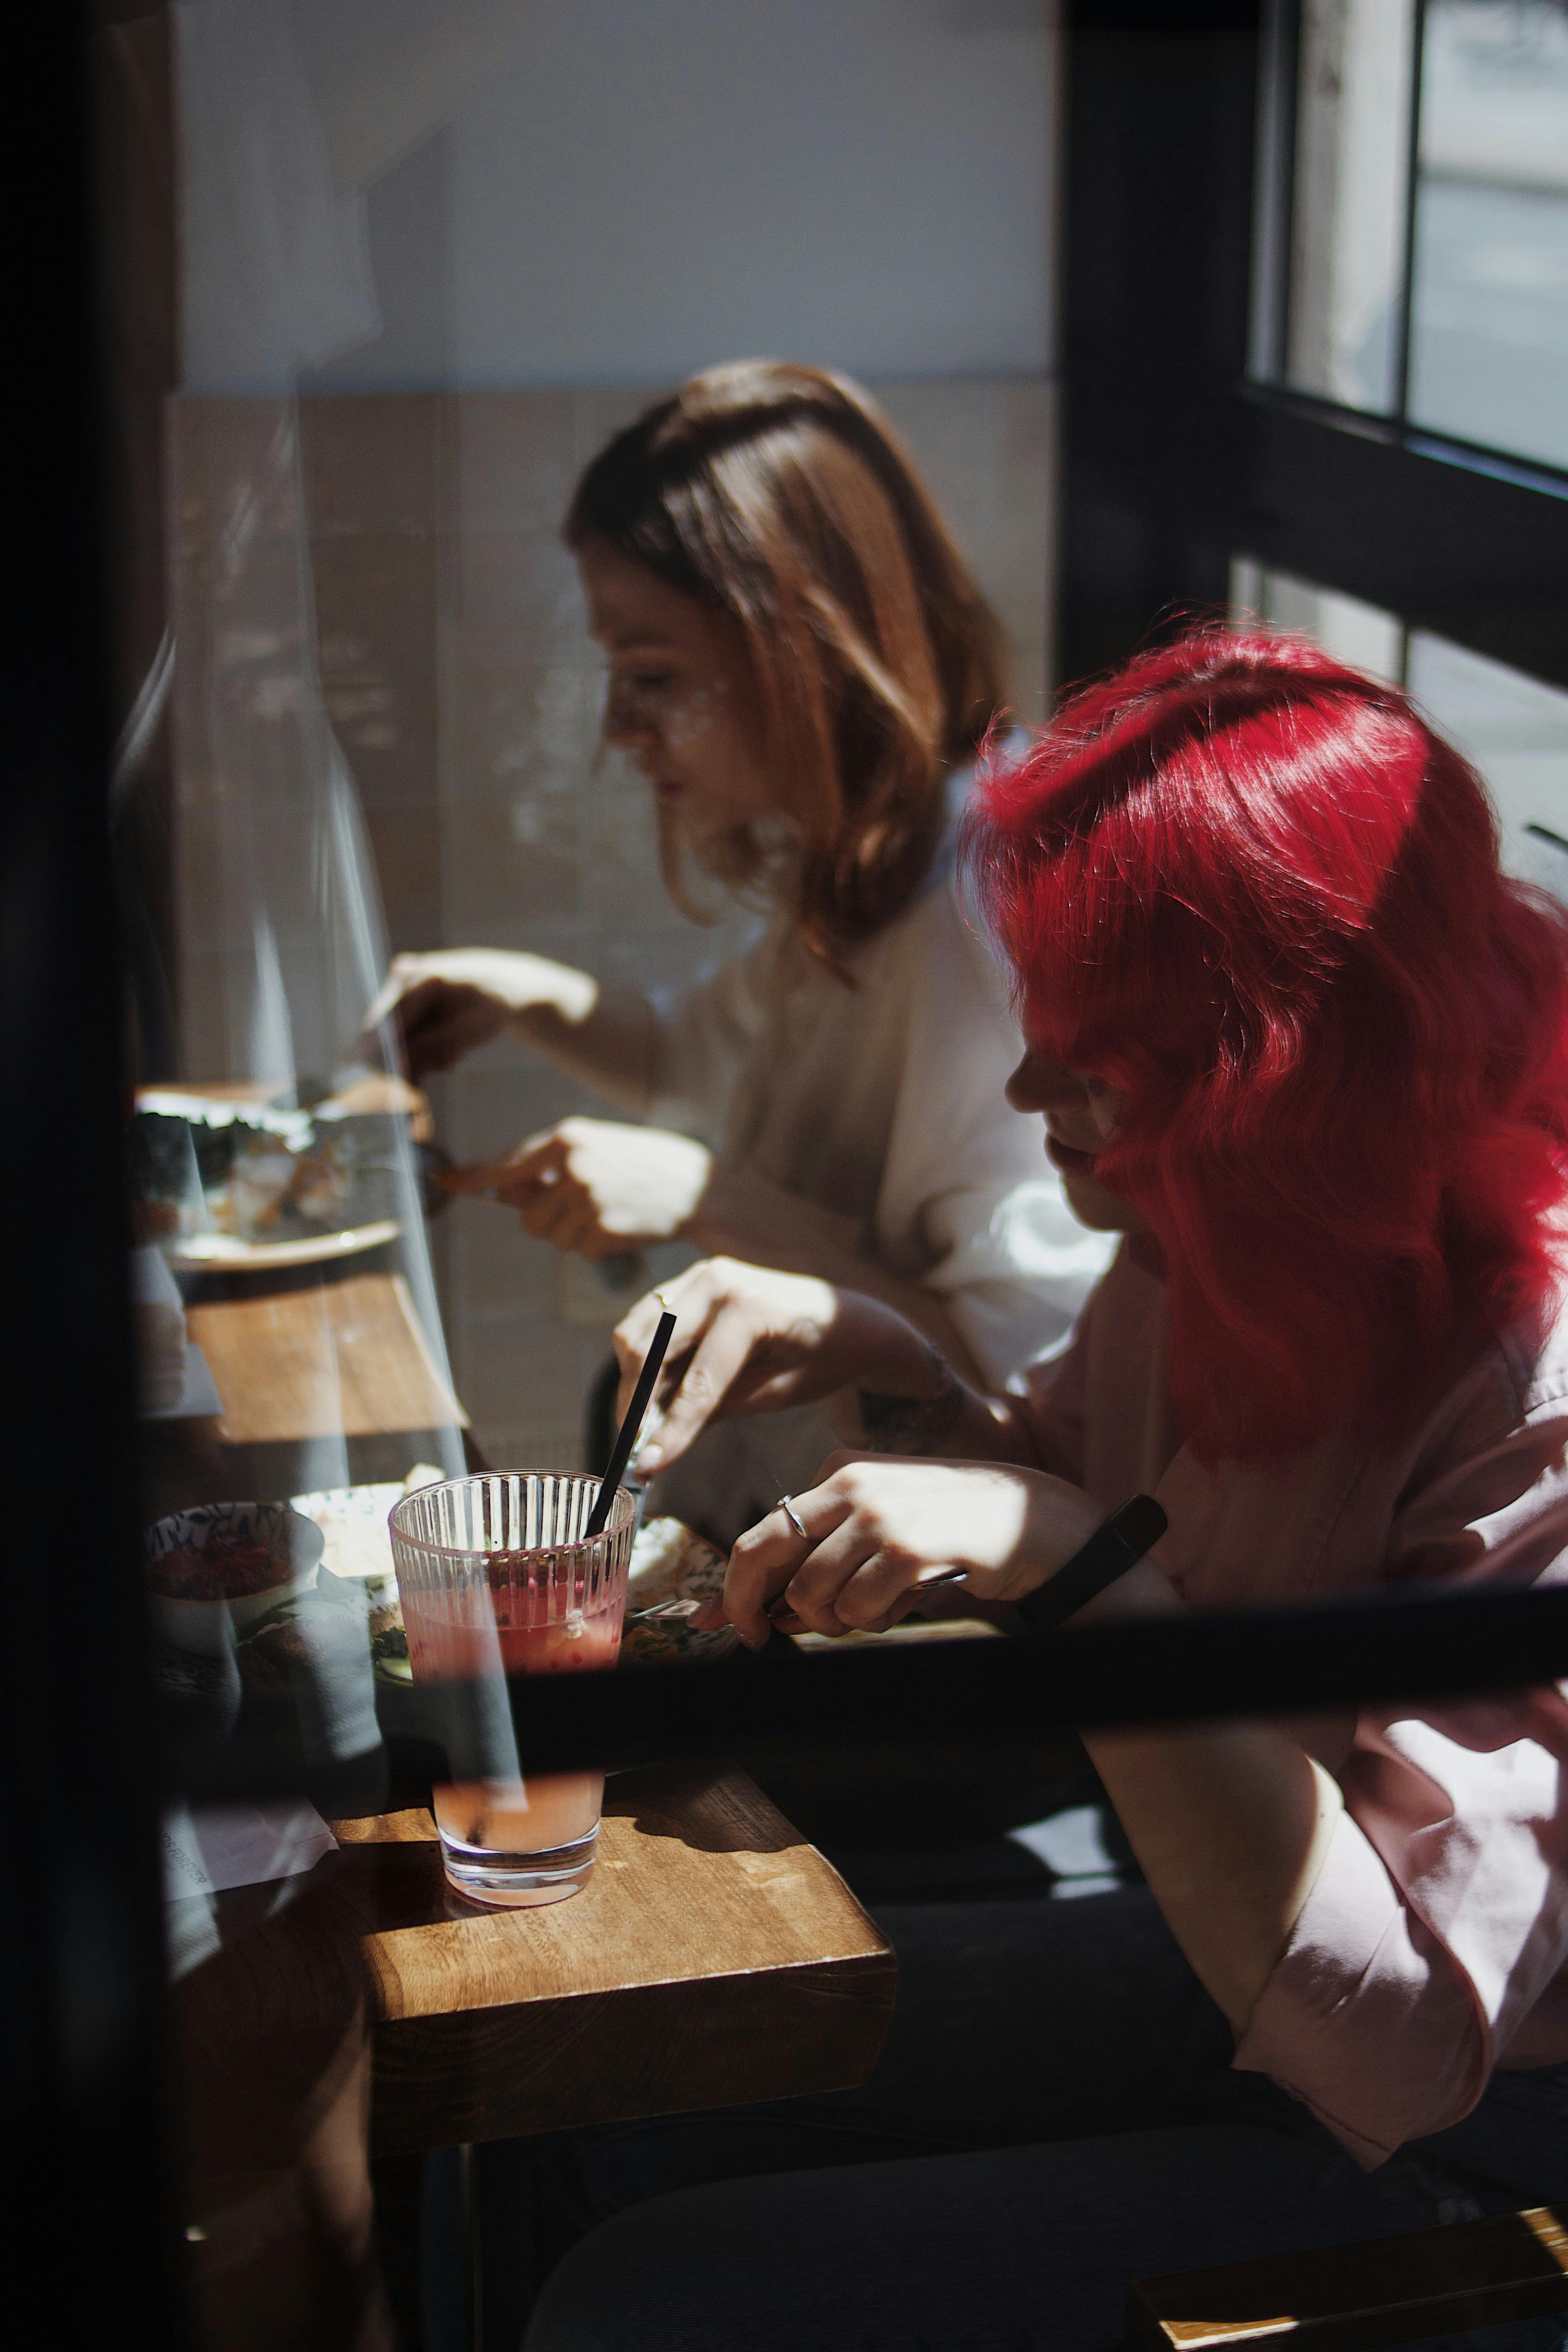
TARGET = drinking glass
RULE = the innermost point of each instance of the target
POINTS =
(497, 1578)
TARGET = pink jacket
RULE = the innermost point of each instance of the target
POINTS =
(1434, 1945)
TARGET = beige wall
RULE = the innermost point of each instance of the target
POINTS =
(461, 686)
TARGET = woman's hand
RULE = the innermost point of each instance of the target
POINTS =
(747, 1340)
(876, 1526)
(595, 1187)
(447, 1004)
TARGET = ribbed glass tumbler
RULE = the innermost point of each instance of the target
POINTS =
(497, 1578)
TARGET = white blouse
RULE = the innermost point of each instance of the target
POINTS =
(882, 1103)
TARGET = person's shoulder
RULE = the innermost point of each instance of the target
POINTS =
(937, 937)
(1499, 1382)
(937, 953)
(1485, 1479)
(1530, 1360)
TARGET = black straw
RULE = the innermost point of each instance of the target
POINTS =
(621, 1451)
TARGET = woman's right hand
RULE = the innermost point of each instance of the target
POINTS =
(748, 1339)
(446, 1004)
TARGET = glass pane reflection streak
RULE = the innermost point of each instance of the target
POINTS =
(1489, 328)
(1513, 728)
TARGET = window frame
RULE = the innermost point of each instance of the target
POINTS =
(95, 2202)
(1180, 445)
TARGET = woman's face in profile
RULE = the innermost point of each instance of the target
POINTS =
(681, 700)
(1081, 1112)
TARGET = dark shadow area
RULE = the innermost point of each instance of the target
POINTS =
(692, 1808)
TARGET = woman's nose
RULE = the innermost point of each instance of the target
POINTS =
(625, 726)
(1041, 1084)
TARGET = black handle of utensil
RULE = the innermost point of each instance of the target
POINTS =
(1109, 1552)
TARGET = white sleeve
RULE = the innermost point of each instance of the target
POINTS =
(968, 1194)
(706, 1034)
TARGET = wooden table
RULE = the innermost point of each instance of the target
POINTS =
(311, 1360)
(320, 1370)
(343, 1354)
(713, 1957)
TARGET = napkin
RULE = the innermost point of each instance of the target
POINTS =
(240, 1846)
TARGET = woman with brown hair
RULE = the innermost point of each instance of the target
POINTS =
(803, 668)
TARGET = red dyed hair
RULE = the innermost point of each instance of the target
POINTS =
(1255, 890)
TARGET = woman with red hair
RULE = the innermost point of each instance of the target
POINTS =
(1299, 1039)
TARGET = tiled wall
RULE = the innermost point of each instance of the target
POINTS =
(463, 689)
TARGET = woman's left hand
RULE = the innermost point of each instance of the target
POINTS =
(596, 1187)
(876, 1526)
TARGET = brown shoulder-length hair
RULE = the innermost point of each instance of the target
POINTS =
(782, 495)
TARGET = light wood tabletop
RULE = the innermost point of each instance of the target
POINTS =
(345, 1355)
(714, 1956)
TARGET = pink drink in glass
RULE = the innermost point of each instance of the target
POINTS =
(550, 1810)
(474, 1610)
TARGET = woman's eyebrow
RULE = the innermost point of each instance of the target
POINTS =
(632, 641)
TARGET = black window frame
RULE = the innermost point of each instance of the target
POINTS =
(1180, 445)
(93, 2201)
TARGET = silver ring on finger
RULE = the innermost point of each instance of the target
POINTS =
(786, 1505)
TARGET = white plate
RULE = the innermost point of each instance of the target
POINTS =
(354, 1520)
(198, 1252)
(359, 1545)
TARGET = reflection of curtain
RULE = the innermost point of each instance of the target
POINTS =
(283, 945)
(276, 274)
(281, 937)
(135, 172)
(276, 271)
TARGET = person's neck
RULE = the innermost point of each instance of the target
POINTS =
(1145, 1251)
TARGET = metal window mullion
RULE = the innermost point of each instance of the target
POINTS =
(1274, 191)
(1412, 190)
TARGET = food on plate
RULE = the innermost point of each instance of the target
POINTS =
(672, 1570)
(669, 1562)
(205, 1167)
(358, 1555)
(389, 1649)
(218, 1568)
(227, 1567)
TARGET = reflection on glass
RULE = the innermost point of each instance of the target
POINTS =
(1516, 731)
(1513, 729)
(1489, 348)
(293, 1372)
(1360, 634)
(1347, 258)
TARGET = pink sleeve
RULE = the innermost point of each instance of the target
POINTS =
(1440, 1915)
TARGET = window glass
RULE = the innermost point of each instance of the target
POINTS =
(429, 259)
(1347, 255)
(1489, 347)
(1516, 731)
(1362, 634)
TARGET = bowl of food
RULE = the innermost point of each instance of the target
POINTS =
(216, 1570)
